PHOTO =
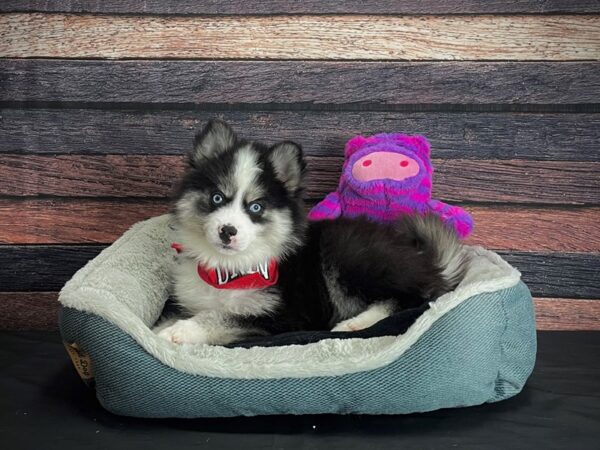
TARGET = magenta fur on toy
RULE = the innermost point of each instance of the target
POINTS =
(384, 176)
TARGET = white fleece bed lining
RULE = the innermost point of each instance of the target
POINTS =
(128, 284)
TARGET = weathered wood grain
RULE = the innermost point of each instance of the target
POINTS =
(568, 275)
(566, 314)
(270, 7)
(48, 267)
(28, 310)
(517, 181)
(41, 267)
(486, 37)
(309, 83)
(536, 229)
(61, 221)
(572, 137)
(90, 221)
(90, 176)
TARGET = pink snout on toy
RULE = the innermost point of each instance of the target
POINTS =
(384, 165)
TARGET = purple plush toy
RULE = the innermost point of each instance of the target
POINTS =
(384, 176)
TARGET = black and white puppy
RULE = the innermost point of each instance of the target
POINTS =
(249, 264)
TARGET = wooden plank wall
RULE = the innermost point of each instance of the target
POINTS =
(100, 100)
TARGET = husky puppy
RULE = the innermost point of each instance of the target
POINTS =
(249, 264)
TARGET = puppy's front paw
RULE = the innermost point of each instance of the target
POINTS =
(184, 332)
(349, 325)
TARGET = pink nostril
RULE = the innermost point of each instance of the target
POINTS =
(367, 162)
(404, 164)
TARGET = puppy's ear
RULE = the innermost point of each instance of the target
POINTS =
(288, 162)
(216, 137)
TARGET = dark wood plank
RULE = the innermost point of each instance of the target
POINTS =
(60, 221)
(516, 181)
(48, 267)
(39, 310)
(309, 83)
(306, 37)
(90, 176)
(567, 314)
(28, 310)
(568, 275)
(90, 221)
(270, 7)
(536, 229)
(41, 267)
(571, 137)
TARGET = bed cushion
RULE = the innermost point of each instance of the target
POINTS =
(471, 346)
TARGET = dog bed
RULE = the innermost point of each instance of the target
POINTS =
(474, 345)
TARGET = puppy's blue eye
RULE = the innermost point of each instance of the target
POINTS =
(217, 198)
(255, 208)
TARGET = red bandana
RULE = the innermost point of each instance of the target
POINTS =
(256, 277)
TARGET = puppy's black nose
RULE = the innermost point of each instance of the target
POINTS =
(225, 233)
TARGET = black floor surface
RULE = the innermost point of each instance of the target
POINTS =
(44, 405)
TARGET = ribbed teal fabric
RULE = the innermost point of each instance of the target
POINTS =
(481, 351)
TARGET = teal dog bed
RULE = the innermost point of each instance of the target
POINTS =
(471, 346)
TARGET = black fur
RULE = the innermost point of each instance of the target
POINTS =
(382, 261)
(375, 262)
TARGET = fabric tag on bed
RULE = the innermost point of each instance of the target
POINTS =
(256, 277)
(82, 362)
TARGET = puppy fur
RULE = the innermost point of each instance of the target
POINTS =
(343, 275)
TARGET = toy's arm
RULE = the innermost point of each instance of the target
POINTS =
(327, 209)
(460, 219)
